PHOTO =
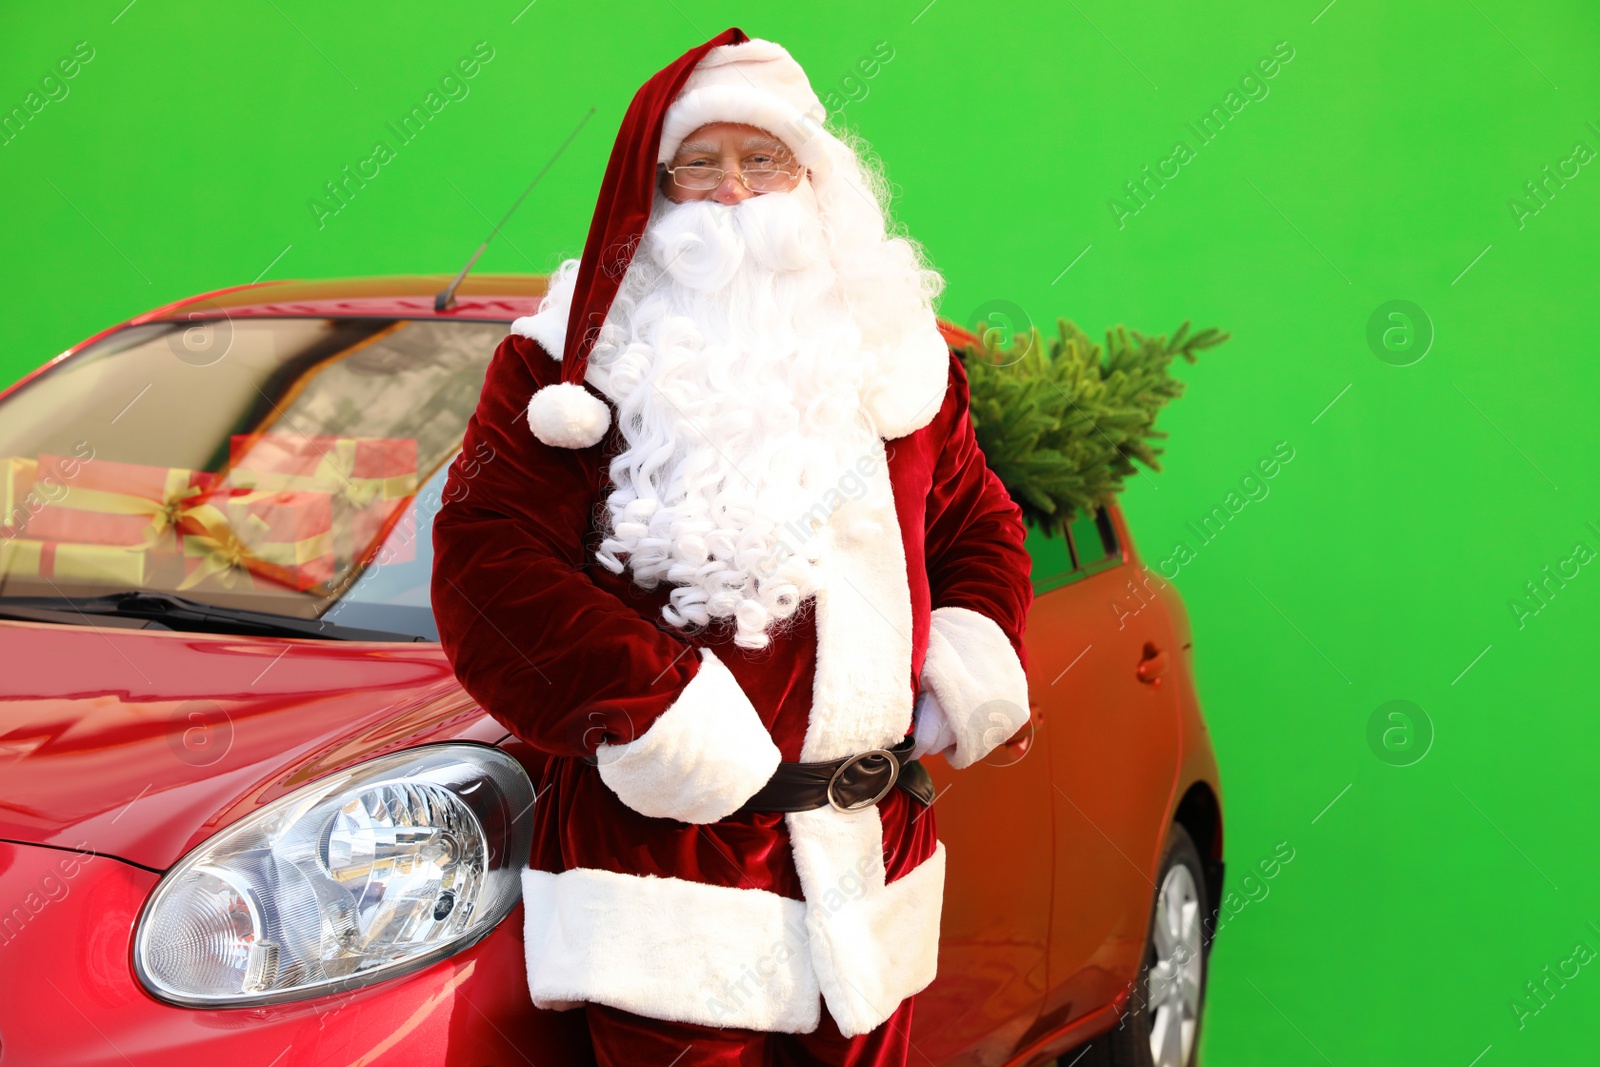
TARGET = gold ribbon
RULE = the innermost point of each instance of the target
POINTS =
(225, 554)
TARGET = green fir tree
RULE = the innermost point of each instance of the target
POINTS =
(1062, 423)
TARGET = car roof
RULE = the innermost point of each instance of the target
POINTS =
(499, 297)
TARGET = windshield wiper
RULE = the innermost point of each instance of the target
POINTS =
(180, 613)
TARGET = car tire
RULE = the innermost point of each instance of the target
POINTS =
(1161, 1025)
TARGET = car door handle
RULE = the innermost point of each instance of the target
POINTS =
(1019, 743)
(1153, 665)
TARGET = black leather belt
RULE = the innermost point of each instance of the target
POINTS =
(849, 783)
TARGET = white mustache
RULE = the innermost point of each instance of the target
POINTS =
(702, 244)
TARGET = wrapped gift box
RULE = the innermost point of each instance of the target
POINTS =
(360, 469)
(115, 564)
(127, 504)
(368, 477)
(235, 536)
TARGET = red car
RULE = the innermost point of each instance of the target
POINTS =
(248, 816)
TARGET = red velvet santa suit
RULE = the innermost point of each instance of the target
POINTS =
(646, 891)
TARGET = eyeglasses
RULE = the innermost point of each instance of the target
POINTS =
(764, 180)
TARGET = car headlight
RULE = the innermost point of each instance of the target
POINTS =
(364, 875)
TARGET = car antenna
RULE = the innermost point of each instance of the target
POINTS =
(444, 300)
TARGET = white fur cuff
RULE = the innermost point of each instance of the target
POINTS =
(701, 759)
(977, 680)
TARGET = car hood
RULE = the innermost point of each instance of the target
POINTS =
(141, 743)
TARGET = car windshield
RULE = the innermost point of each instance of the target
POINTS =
(283, 465)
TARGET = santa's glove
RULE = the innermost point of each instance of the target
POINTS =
(932, 730)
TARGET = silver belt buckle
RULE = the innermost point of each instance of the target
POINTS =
(894, 773)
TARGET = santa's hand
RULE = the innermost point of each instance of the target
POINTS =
(932, 730)
(701, 759)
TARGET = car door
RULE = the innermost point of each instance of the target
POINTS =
(995, 819)
(1098, 644)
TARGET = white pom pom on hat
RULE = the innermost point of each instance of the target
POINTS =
(566, 415)
(563, 414)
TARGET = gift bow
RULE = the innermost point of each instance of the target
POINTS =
(337, 469)
(211, 529)
(165, 513)
(226, 555)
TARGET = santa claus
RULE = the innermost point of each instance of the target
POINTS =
(737, 564)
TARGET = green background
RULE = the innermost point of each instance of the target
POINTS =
(1385, 561)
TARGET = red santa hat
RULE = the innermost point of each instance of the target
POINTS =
(730, 78)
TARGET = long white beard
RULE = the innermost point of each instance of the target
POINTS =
(735, 354)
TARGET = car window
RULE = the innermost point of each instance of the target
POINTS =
(1051, 556)
(255, 463)
(392, 592)
(1064, 552)
(1093, 539)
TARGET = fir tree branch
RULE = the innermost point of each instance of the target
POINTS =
(1062, 424)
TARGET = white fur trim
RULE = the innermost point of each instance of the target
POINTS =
(701, 759)
(977, 680)
(872, 944)
(799, 128)
(861, 692)
(882, 948)
(907, 386)
(548, 324)
(549, 328)
(566, 415)
(669, 948)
